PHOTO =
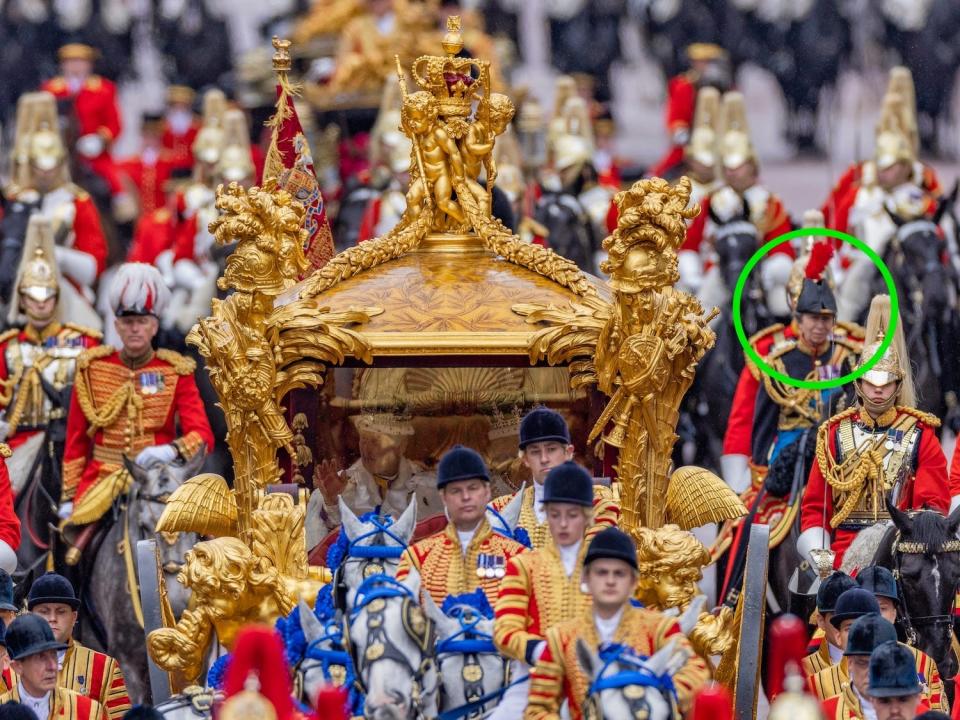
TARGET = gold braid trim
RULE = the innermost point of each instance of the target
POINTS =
(30, 388)
(852, 474)
(84, 330)
(926, 418)
(754, 339)
(9, 334)
(182, 364)
(126, 397)
(5, 450)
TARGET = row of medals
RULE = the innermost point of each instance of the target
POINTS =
(491, 566)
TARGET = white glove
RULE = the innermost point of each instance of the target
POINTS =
(4, 430)
(954, 501)
(65, 510)
(736, 472)
(90, 146)
(156, 455)
(187, 274)
(77, 265)
(814, 538)
(8, 558)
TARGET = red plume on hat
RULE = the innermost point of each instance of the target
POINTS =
(713, 703)
(820, 255)
(258, 652)
(331, 704)
(787, 640)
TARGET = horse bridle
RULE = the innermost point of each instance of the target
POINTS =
(918, 548)
(371, 597)
(368, 554)
(314, 655)
(471, 643)
(639, 677)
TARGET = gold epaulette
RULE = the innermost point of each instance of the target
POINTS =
(754, 339)
(78, 192)
(182, 364)
(926, 418)
(95, 353)
(9, 334)
(849, 343)
(5, 450)
(782, 348)
(852, 330)
(84, 330)
(842, 415)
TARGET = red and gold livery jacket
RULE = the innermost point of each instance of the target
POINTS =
(446, 570)
(558, 676)
(606, 512)
(151, 176)
(535, 595)
(736, 440)
(64, 705)
(835, 679)
(179, 146)
(898, 454)
(817, 661)
(96, 676)
(155, 233)
(29, 356)
(117, 410)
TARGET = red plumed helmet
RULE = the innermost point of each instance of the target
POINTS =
(713, 703)
(820, 255)
(331, 704)
(258, 659)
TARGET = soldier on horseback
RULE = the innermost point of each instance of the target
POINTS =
(609, 576)
(37, 362)
(883, 450)
(128, 402)
(41, 184)
(544, 445)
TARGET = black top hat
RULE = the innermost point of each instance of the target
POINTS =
(867, 633)
(832, 588)
(893, 671)
(541, 425)
(855, 602)
(568, 483)
(6, 592)
(612, 543)
(52, 588)
(461, 463)
(28, 635)
(879, 581)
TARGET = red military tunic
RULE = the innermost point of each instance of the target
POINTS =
(150, 172)
(116, 410)
(906, 439)
(64, 705)
(681, 104)
(836, 208)
(179, 146)
(767, 212)
(155, 233)
(97, 113)
(446, 570)
(537, 594)
(26, 355)
(558, 674)
(9, 522)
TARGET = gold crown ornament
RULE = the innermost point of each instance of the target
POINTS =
(392, 424)
(454, 81)
(504, 425)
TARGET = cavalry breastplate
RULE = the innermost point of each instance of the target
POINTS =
(887, 470)
(55, 361)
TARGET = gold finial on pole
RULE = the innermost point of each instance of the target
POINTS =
(281, 58)
(453, 40)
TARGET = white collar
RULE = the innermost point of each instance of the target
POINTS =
(866, 707)
(40, 705)
(607, 628)
(568, 556)
(836, 654)
(538, 502)
(465, 537)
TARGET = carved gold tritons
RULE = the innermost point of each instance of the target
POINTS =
(453, 123)
(641, 349)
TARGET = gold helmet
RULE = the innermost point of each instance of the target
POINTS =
(703, 139)
(37, 141)
(894, 365)
(236, 163)
(208, 144)
(37, 276)
(901, 82)
(893, 142)
(736, 148)
(572, 144)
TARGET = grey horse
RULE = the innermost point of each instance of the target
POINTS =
(109, 585)
(625, 686)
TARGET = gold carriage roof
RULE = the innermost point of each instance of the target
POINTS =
(450, 296)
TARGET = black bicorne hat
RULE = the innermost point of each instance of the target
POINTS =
(461, 463)
(893, 671)
(568, 483)
(28, 635)
(867, 633)
(832, 588)
(854, 603)
(816, 296)
(614, 544)
(542, 425)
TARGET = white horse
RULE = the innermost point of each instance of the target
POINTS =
(624, 685)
